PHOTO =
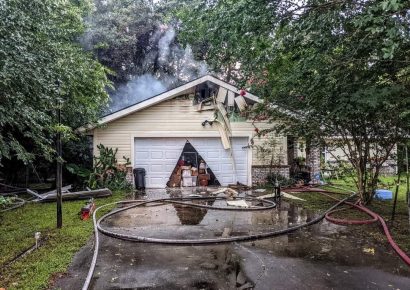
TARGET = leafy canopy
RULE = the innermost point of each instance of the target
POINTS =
(332, 71)
(42, 67)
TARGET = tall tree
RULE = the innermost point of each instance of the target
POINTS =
(233, 37)
(121, 34)
(42, 67)
(131, 38)
(332, 71)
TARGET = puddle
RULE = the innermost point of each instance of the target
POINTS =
(322, 242)
(322, 256)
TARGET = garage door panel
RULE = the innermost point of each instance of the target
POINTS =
(227, 180)
(212, 154)
(241, 167)
(207, 146)
(141, 155)
(157, 168)
(226, 167)
(156, 181)
(159, 156)
(172, 154)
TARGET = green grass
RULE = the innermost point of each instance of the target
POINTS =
(400, 228)
(35, 270)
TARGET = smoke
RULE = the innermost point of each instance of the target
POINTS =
(177, 66)
(164, 45)
(135, 91)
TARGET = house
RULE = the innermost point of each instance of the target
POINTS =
(153, 134)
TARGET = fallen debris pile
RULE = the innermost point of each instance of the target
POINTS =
(10, 200)
(87, 194)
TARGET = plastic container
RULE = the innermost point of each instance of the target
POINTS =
(139, 178)
(194, 180)
(186, 172)
(383, 194)
(187, 181)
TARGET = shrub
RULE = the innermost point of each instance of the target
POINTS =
(282, 180)
(107, 172)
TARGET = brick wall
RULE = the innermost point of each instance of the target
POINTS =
(260, 173)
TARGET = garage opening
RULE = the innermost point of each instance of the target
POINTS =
(159, 156)
(192, 170)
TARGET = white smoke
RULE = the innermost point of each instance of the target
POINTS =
(164, 45)
(169, 54)
(135, 91)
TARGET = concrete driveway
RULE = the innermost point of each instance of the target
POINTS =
(323, 256)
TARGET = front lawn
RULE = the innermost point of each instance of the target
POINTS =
(35, 270)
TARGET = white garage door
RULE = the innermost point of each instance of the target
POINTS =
(159, 156)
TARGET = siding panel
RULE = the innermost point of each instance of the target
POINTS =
(175, 115)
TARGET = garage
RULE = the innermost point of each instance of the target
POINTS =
(214, 117)
(158, 156)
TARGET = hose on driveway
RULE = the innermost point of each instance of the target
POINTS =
(182, 201)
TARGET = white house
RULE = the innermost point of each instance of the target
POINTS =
(153, 133)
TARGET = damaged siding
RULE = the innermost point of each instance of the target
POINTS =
(173, 115)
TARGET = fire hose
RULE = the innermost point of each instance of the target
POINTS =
(136, 203)
(359, 206)
(375, 218)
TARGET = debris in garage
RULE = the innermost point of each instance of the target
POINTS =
(191, 170)
(237, 203)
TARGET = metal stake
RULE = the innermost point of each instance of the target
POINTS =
(59, 176)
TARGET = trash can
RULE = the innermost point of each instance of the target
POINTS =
(139, 178)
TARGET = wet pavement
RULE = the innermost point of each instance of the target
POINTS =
(322, 256)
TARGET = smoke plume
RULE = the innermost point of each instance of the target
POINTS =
(179, 67)
(135, 91)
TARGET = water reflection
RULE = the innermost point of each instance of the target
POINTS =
(321, 241)
(191, 215)
(170, 219)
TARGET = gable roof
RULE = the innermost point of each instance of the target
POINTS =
(166, 96)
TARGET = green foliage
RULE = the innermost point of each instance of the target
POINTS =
(325, 68)
(119, 32)
(42, 68)
(341, 169)
(226, 33)
(77, 170)
(274, 177)
(78, 156)
(5, 201)
(107, 172)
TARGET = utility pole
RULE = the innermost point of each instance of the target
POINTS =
(59, 177)
(407, 175)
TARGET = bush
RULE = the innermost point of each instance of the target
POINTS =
(283, 181)
(107, 172)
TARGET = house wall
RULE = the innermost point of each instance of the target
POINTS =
(334, 154)
(178, 116)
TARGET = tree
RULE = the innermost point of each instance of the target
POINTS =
(43, 67)
(143, 52)
(334, 72)
(121, 34)
(232, 36)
